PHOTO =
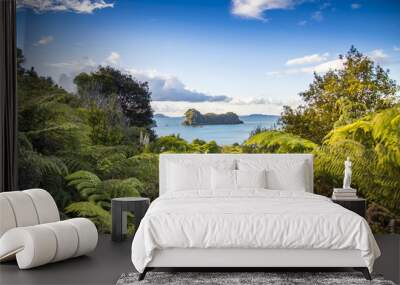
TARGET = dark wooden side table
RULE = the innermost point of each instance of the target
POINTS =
(358, 205)
(119, 208)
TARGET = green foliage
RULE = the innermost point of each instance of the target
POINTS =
(353, 112)
(340, 97)
(36, 170)
(210, 147)
(278, 142)
(48, 124)
(85, 182)
(92, 189)
(175, 144)
(118, 94)
(87, 135)
(374, 143)
(172, 143)
(105, 126)
(96, 195)
(144, 167)
(100, 217)
(235, 148)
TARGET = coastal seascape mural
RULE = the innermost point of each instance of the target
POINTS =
(105, 86)
(223, 134)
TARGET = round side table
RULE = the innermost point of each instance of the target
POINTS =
(119, 208)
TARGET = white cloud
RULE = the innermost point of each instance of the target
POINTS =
(75, 65)
(379, 56)
(170, 88)
(317, 16)
(113, 58)
(396, 48)
(254, 9)
(308, 59)
(355, 6)
(319, 68)
(76, 6)
(279, 73)
(325, 67)
(257, 101)
(163, 87)
(44, 41)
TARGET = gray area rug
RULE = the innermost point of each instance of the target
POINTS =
(228, 278)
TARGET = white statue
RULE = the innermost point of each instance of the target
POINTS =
(347, 174)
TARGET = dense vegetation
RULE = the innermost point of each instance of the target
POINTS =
(341, 96)
(86, 148)
(89, 147)
(195, 118)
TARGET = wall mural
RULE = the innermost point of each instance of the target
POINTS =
(104, 86)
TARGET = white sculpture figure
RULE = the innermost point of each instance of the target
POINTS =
(347, 174)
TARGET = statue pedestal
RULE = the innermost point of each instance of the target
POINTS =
(341, 193)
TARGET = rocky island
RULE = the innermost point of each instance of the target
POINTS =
(195, 118)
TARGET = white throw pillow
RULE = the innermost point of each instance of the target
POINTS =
(281, 174)
(292, 177)
(223, 179)
(251, 178)
(183, 175)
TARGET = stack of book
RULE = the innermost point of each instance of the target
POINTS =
(341, 194)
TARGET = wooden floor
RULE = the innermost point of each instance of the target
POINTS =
(110, 260)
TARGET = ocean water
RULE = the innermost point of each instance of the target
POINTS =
(222, 134)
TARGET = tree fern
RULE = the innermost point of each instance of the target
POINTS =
(85, 182)
(97, 194)
(278, 142)
(100, 217)
(373, 143)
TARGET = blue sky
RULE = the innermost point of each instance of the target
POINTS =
(246, 56)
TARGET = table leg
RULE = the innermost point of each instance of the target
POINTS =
(139, 211)
(116, 213)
